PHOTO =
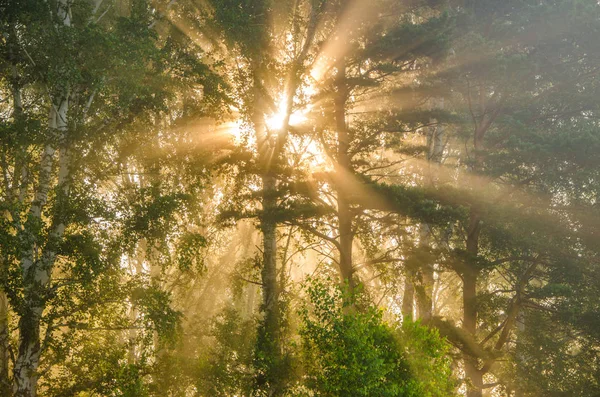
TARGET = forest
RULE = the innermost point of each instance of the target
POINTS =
(269, 198)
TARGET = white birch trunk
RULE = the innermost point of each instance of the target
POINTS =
(39, 257)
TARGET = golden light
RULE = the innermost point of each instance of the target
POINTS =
(276, 121)
(356, 13)
(233, 129)
(298, 117)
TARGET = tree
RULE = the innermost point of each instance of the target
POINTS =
(258, 88)
(173, 174)
(89, 68)
(360, 354)
(509, 90)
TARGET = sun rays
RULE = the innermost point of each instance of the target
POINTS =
(306, 139)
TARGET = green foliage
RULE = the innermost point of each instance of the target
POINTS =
(97, 367)
(189, 253)
(419, 203)
(348, 349)
(226, 369)
(244, 23)
(131, 230)
(552, 362)
(429, 358)
(157, 312)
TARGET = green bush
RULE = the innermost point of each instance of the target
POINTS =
(349, 350)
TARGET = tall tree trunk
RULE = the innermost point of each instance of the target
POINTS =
(426, 280)
(269, 270)
(344, 211)
(270, 144)
(270, 337)
(36, 270)
(520, 356)
(470, 276)
(268, 343)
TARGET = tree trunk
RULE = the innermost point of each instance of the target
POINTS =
(269, 148)
(520, 356)
(472, 372)
(4, 346)
(345, 217)
(408, 297)
(269, 270)
(426, 280)
(38, 270)
(470, 276)
(268, 338)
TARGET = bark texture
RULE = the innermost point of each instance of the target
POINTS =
(39, 256)
(408, 297)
